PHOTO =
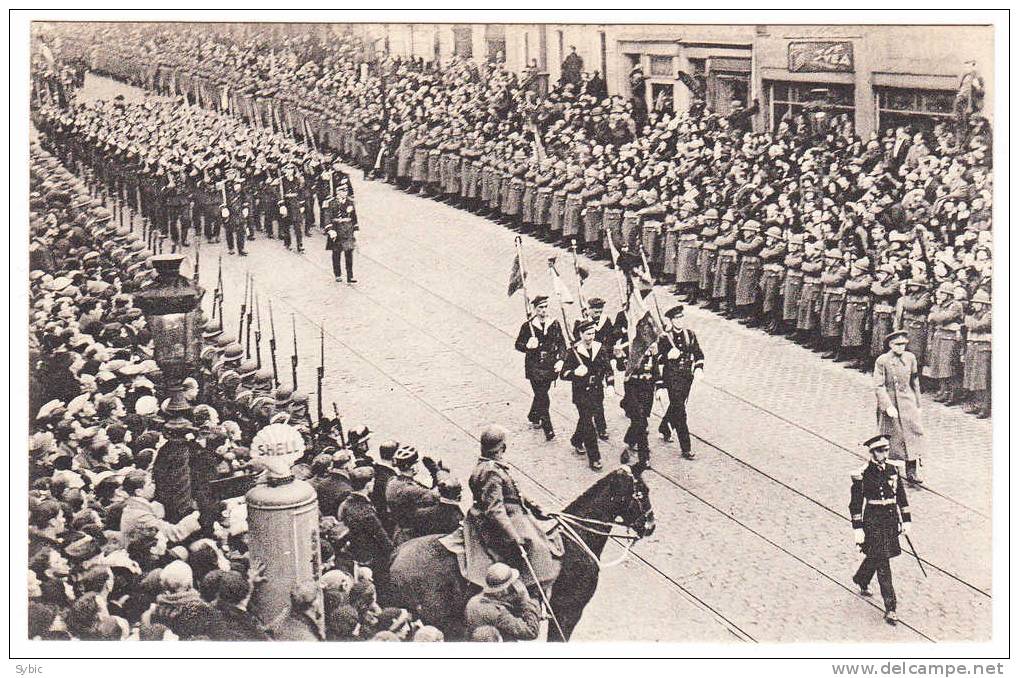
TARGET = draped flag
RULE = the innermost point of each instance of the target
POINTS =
(516, 280)
(562, 293)
(645, 333)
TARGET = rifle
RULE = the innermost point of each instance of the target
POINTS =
(244, 310)
(293, 358)
(198, 260)
(217, 298)
(258, 333)
(321, 367)
(339, 426)
(272, 348)
(247, 328)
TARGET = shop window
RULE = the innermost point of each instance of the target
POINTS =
(463, 42)
(792, 98)
(495, 42)
(918, 108)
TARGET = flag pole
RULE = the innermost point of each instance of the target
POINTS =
(523, 284)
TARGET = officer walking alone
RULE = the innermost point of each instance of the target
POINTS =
(681, 356)
(879, 511)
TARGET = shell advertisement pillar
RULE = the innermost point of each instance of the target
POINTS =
(282, 525)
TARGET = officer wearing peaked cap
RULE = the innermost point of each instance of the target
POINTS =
(879, 510)
(540, 339)
(588, 367)
(681, 357)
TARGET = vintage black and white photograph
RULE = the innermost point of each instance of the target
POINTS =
(578, 332)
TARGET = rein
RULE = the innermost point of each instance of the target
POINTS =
(571, 523)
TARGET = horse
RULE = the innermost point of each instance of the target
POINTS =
(424, 576)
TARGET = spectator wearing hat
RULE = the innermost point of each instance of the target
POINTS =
(833, 301)
(541, 341)
(877, 500)
(723, 291)
(945, 322)
(588, 367)
(681, 357)
(897, 386)
(368, 543)
(772, 274)
(976, 375)
(809, 303)
(911, 313)
(505, 605)
(384, 472)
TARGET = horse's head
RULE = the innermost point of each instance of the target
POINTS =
(621, 497)
(635, 501)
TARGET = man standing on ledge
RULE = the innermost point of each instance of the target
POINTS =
(879, 511)
(681, 358)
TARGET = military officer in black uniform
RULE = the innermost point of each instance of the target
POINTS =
(234, 212)
(541, 341)
(588, 365)
(880, 512)
(681, 356)
(638, 399)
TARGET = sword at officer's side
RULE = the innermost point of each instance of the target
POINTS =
(915, 554)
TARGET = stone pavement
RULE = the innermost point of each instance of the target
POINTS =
(753, 538)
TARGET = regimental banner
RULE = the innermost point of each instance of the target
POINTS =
(821, 57)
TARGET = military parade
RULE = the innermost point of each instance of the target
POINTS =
(200, 196)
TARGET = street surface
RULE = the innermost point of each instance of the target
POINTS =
(753, 541)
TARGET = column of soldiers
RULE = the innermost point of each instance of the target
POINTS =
(210, 177)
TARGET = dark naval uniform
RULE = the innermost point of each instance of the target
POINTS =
(539, 366)
(877, 500)
(588, 393)
(638, 399)
(677, 378)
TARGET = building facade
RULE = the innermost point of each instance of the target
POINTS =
(882, 75)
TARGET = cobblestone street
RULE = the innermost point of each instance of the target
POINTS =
(753, 541)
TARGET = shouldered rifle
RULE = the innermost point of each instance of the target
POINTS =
(217, 297)
(339, 426)
(321, 367)
(272, 347)
(258, 333)
(244, 310)
(293, 357)
(247, 328)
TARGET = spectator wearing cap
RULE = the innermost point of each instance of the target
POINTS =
(879, 510)
(912, 311)
(884, 295)
(809, 303)
(976, 375)
(504, 604)
(332, 485)
(406, 497)
(857, 312)
(368, 543)
(748, 273)
(833, 301)
(897, 387)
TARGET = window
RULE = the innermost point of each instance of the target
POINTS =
(922, 108)
(495, 41)
(662, 96)
(661, 66)
(790, 98)
(463, 41)
(699, 72)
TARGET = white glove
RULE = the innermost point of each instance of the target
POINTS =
(581, 371)
(532, 343)
(558, 367)
(244, 212)
(892, 412)
(858, 536)
(904, 528)
(673, 353)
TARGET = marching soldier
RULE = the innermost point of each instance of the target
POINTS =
(234, 212)
(607, 334)
(681, 356)
(341, 238)
(589, 368)
(638, 399)
(880, 511)
(541, 341)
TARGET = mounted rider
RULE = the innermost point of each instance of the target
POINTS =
(505, 521)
